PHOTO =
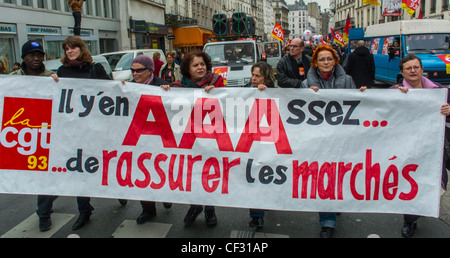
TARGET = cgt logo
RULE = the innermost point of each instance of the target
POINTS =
(25, 134)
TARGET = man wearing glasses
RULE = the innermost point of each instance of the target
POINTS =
(293, 68)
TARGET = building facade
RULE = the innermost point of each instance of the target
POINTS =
(50, 22)
(298, 19)
(147, 24)
(281, 15)
(363, 16)
(107, 25)
(269, 22)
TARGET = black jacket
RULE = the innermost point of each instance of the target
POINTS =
(361, 67)
(288, 75)
(87, 71)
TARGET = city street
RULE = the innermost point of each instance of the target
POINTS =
(103, 131)
(110, 219)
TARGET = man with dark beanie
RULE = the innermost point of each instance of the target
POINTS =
(33, 61)
(33, 65)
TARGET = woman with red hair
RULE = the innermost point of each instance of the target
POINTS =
(326, 72)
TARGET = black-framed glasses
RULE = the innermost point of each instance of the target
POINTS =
(139, 70)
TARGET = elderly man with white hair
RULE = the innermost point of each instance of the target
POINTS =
(293, 68)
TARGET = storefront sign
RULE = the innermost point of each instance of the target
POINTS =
(7, 28)
(40, 30)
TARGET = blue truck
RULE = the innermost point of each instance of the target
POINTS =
(392, 41)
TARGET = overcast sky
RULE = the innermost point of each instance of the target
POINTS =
(323, 3)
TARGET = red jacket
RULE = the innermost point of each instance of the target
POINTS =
(158, 65)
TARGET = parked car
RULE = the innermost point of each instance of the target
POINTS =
(56, 63)
(120, 61)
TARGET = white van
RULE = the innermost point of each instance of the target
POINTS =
(233, 60)
(120, 61)
(271, 52)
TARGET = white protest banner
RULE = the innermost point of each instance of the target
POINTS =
(286, 149)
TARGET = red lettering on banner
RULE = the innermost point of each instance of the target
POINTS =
(143, 183)
(372, 172)
(343, 168)
(387, 184)
(178, 183)
(323, 180)
(330, 171)
(140, 126)
(305, 171)
(358, 167)
(161, 174)
(273, 133)
(207, 176)
(414, 187)
(226, 172)
(191, 161)
(214, 173)
(126, 158)
(197, 129)
(107, 156)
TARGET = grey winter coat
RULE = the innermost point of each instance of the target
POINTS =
(338, 80)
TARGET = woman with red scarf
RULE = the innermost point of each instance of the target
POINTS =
(196, 69)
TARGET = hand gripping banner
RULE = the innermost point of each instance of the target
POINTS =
(376, 151)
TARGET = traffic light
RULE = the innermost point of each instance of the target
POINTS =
(239, 23)
(220, 25)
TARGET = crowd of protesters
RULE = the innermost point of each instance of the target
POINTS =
(301, 66)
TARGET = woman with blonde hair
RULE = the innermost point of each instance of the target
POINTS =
(76, 12)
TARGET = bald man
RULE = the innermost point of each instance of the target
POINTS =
(361, 66)
(293, 68)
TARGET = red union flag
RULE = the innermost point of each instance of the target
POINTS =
(278, 32)
(25, 134)
(337, 37)
(223, 71)
(348, 25)
(410, 6)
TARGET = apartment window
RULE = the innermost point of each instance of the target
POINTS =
(105, 8)
(40, 4)
(445, 5)
(55, 5)
(432, 6)
(7, 1)
(97, 8)
(113, 9)
(27, 2)
(88, 7)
